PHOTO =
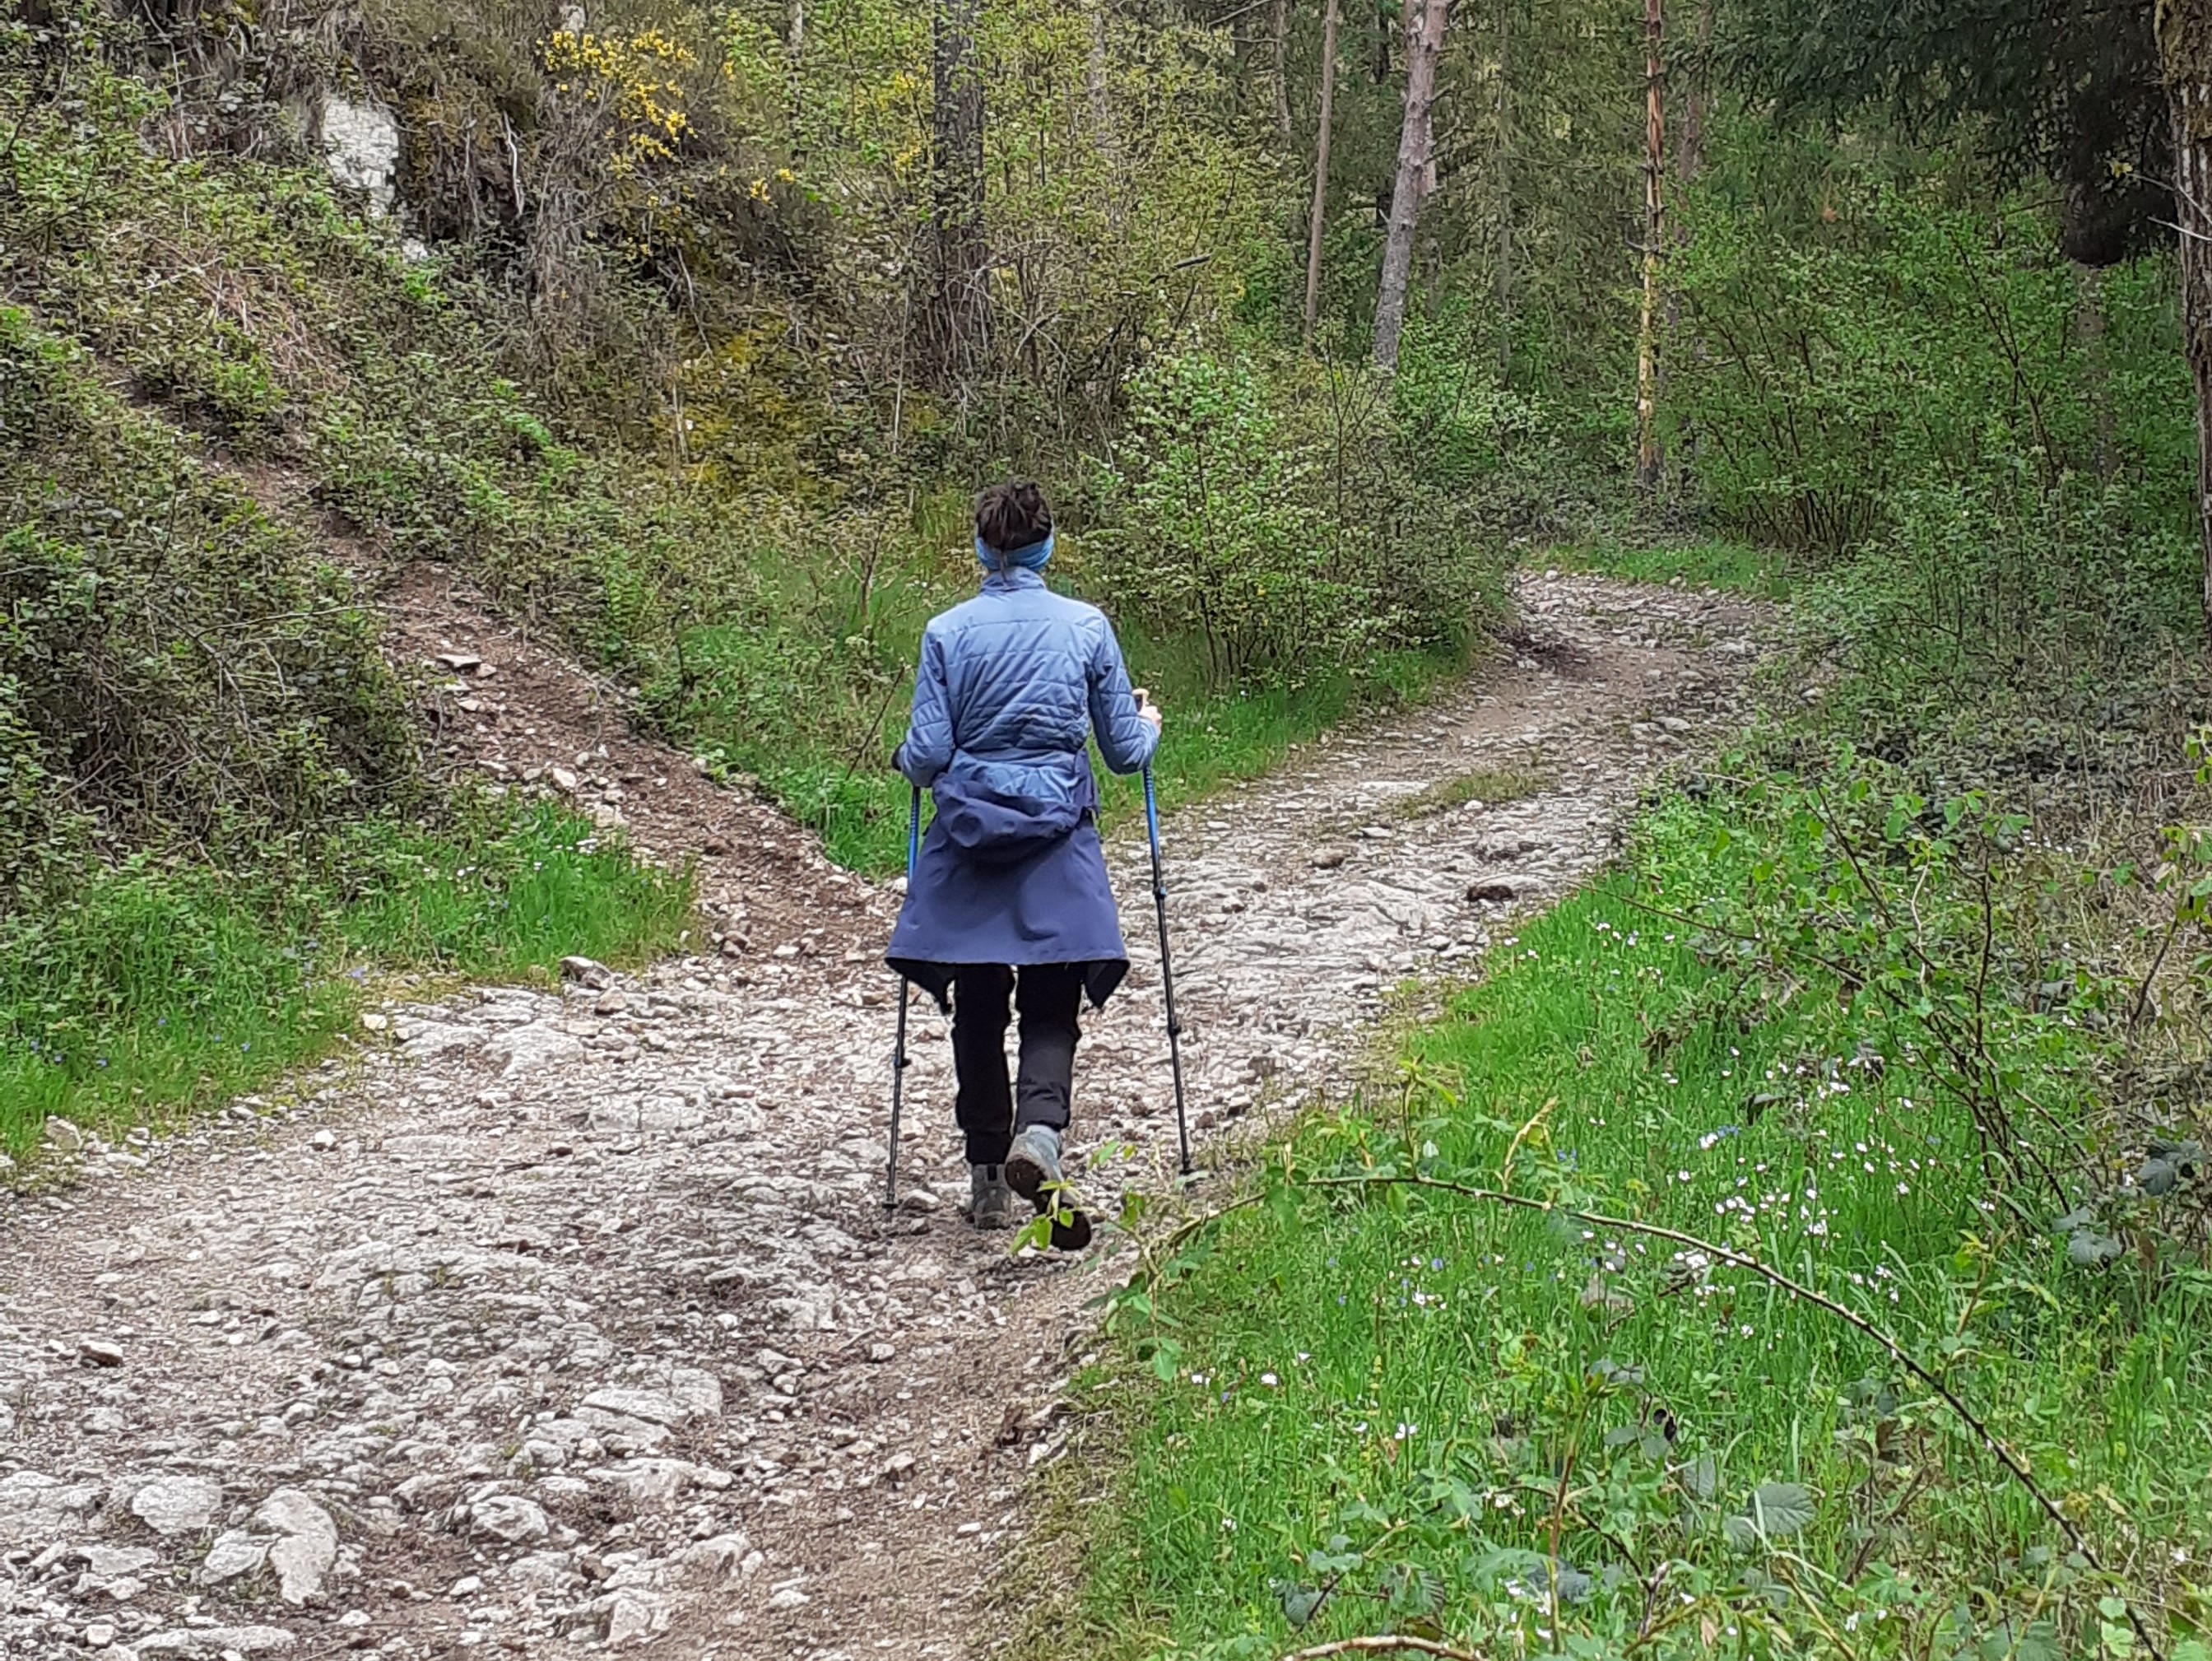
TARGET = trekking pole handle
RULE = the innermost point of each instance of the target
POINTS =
(913, 831)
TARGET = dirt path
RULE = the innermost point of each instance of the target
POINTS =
(565, 1319)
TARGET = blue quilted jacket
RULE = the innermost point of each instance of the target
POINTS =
(1011, 683)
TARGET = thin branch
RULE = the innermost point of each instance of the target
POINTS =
(1387, 1644)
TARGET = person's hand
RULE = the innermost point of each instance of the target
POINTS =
(1147, 710)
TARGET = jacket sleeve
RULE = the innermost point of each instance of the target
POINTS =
(928, 747)
(1126, 740)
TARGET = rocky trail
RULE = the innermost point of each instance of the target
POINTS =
(557, 1320)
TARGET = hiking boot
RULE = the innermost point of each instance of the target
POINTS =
(1033, 1164)
(1071, 1228)
(991, 1204)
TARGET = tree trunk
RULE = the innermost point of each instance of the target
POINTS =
(2185, 51)
(962, 323)
(1425, 39)
(1505, 166)
(1649, 458)
(1689, 162)
(1321, 169)
(1281, 46)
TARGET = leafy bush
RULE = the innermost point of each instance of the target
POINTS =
(1277, 518)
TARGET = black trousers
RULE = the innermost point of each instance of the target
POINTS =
(1047, 996)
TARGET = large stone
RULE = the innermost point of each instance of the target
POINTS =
(171, 1506)
(533, 1048)
(235, 1552)
(107, 1562)
(34, 1504)
(716, 1562)
(647, 1484)
(429, 1041)
(633, 1616)
(306, 1542)
(215, 1640)
(649, 1405)
(509, 1516)
(583, 972)
(360, 142)
(697, 1390)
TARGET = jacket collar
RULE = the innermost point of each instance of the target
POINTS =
(1013, 577)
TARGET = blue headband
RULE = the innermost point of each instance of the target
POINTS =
(1031, 559)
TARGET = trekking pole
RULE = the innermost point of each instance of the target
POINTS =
(898, 1049)
(1167, 971)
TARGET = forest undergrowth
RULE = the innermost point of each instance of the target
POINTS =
(1795, 1243)
(1792, 1243)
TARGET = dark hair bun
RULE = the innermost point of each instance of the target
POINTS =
(1011, 515)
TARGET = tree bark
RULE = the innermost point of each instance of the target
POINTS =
(1649, 458)
(1320, 170)
(2184, 53)
(1503, 163)
(961, 322)
(1689, 162)
(1281, 46)
(1425, 39)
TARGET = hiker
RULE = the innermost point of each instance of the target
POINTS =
(1009, 899)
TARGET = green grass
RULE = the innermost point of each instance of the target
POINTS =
(1704, 562)
(1427, 1407)
(156, 991)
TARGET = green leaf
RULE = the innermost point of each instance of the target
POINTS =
(2086, 1249)
(1776, 1511)
(1299, 1603)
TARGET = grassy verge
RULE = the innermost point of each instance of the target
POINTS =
(1356, 1406)
(158, 990)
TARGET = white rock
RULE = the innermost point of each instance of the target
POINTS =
(646, 1482)
(697, 1390)
(361, 143)
(633, 1614)
(108, 1562)
(716, 1562)
(430, 1041)
(234, 1552)
(171, 1506)
(62, 1134)
(214, 1640)
(649, 1405)
(509, 1516)
(307, 1544)
(584, 971)
(533, 1048)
